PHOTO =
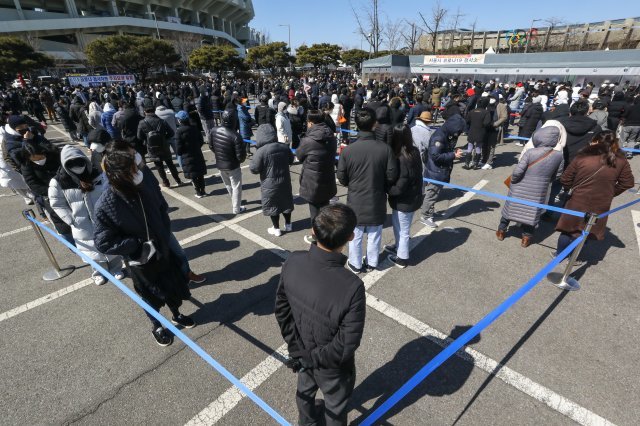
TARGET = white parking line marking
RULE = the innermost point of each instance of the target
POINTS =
(232, 396)
(535, 390)
(15, 231)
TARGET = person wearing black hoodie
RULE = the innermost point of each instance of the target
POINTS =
(317, 152)
(580, 130)
(630, 122)
(616, 109)
(384, 128)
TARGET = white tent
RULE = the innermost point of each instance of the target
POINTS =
(490, 51)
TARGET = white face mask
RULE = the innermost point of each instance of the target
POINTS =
(138, 159)
(40, 162)
(137, 178)
(77, 170)
(96, 147)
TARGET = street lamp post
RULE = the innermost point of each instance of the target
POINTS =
(526, 46)
(289, 28)
(157, 32)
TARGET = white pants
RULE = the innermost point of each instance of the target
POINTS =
(233, 182)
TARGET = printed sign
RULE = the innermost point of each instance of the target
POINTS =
(453, 59)
(97, 80)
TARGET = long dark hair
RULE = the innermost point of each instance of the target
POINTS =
(604, 144)
(402, 141)
(118, 162)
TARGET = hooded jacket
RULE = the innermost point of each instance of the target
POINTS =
(580, 131)
(75, 207)
(106, 119)
(317, 152)
(189, 143)
(531, 182)
(438, 158)
(283, 125)
(271, 161)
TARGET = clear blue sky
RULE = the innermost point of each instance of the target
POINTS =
(331, 21)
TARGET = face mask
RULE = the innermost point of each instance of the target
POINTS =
(40, 162)
(77, 170)
(96, 147)
(137, 178)
(138, 159)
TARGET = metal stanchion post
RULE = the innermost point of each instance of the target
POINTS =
(563, 280)
(57, 272)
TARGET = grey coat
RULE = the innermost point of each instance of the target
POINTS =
(601, 117)
(532, 184)
(271, 161)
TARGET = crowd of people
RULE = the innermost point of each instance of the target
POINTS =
(100, 195)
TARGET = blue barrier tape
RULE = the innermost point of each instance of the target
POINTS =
(630, 149)
(167, 324)
(348, 131)
(457, 344)
(521, 138)
(624, 206)
(506, 198)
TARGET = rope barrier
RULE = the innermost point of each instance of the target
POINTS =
(622, 207)
(506, 198)
(522, 138)
(167, 324)
(457, 344)
(630, 150)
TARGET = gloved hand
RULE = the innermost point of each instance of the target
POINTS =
(298, 365)
(146, 254)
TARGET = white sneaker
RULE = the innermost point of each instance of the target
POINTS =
(288, 227)
(240, 210)
(519, 144)
(99, 280)
(119, 275)
(274, 231)
(334, 200)
(487, 167)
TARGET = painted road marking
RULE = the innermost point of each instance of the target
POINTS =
(232, 396)
(15, 231)
(535, 390)
(636, 224)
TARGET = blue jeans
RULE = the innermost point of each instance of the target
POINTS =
(177, 249)
(374, 239)
(174, 146)
(401, 230)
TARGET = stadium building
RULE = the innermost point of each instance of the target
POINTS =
(62, 28)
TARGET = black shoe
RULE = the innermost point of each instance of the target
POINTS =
(354, 269)
(390, 249)
(163, 338)
(576, 264)
(184, 321)
(400, 263)
(365, 266)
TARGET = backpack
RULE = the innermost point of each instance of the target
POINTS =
(155, 140)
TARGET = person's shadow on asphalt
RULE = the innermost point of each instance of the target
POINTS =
(382, 383)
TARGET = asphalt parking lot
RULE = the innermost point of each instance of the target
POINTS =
(77, 353)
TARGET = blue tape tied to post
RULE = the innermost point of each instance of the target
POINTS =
(630, 150)
(457, 344)
(166, 323)
(617, 209)
(521, 138)
(507, 198)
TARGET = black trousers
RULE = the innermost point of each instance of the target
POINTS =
(314, 210)
(198, 184)
(172, 169)
(337, 387)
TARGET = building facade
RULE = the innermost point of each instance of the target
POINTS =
(543, 36)
(63, 28)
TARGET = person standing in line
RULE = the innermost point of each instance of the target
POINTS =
(156, 133)
(271, 161)
(630, 122)
(479, 120)
(132, 221)
(189, 143)
(438, 163)
(317, 152)
(283, 125)
(367, 167)
(405, 196)
(204, 107)
(230, 152)
(320, 308)
(598, 173)
(531, 179)
(73, 194)
(169, 117)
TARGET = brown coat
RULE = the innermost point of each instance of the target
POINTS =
(594, 196)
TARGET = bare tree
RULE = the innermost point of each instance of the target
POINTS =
(455, 21)
(392, 33)
(411, 36)
(184, 44)
(368, 21)
(434, 24)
